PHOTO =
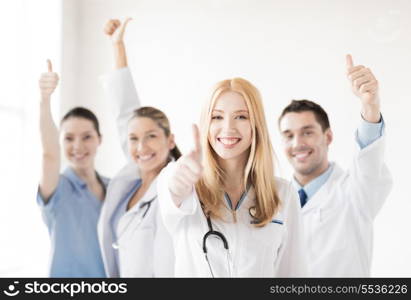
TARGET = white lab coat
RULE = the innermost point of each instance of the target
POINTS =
(145, 247)
(275, 250)
(338, 219)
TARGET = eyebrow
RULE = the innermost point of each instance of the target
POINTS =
(302, 128)
(237, 111)
(148, 131)
(82, 133)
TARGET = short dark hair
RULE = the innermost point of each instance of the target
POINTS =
(81, 112)
(303, 105)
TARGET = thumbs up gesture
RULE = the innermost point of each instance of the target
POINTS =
(188, 171)
(115, 29)
(365, 86)
(48, 81)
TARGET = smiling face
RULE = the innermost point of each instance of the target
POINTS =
(80, 142)
(230, 133)
(305, 143)
(148, 144)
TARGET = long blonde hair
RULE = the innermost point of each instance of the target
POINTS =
(259, 169)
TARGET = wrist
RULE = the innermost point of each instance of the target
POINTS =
(371, 113)
(45, 98)
(118, 43)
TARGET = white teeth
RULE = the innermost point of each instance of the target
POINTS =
(301, 155)
(145, 157)
(228, 141)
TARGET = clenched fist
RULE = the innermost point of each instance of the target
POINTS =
(115, 29)
(48, 82)
(187, 172)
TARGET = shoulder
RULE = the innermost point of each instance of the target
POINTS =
(65, 189)
(66, 181)
(128, 172)
(284, 187)
(288, 195)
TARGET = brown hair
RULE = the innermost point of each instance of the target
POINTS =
(161, 120)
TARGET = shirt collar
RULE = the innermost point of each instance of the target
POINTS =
(314, 185)
(73, 177)
(242, 198)
(71, 174)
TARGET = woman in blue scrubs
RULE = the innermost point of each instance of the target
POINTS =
(71, 201)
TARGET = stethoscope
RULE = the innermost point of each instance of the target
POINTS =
(220, 236)
(145, 205)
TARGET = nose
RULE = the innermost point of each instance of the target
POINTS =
(141, 144)
(228, 124)
(298, 141)
(77, 144)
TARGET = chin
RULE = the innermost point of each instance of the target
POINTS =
(230, 154)
(307, 170)
(149, 166)
(82, 165)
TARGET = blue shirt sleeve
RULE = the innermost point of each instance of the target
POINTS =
(367, 132)
(50, 207)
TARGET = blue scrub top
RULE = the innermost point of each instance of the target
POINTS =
(71, 216)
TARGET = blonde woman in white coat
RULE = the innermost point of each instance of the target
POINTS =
(227, 213)
(132, 237)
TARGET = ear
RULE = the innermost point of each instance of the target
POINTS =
(171, 142)
(329, 136)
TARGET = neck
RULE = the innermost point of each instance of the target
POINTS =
(147, 177)
(234, 173)
(86, 174)
(304, 179)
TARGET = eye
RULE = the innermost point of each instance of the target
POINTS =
(287, 136)
(152, 136)
(308, 133)
(216, 117)
(133, 139)
(87, 137)
(68, 138)
(242, 117)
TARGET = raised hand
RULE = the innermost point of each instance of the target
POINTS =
(365, 86)
(48, 81)
(115, 29)
(188, 171)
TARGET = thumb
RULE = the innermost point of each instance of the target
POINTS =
(197, 142)
(349, 61)
(123, 26)
(49, 66)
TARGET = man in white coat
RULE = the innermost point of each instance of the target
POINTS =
(338, 206)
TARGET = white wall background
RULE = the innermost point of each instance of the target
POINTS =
(31, 32)
(288, 49)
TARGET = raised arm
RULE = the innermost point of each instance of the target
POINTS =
(115, 29)
(49, 136)
(370, 180)
(118, 84)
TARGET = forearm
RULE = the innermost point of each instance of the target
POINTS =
(120, 56)
(48, 131)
